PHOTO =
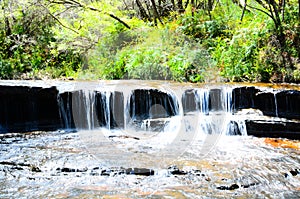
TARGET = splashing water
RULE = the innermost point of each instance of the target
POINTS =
(192, 151)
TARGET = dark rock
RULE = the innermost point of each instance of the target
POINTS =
(112, 172)
(65, 109)
(151, 104)
(215, 100)
(105, 172)
(295, 172)
(174, 170)
(231, 187)
(197, 173)
(123, 137)
(84, 110)
(140, 171)
(15, 164)
(35, 169)
(26, 109)
(288, 105)
(243, 98)
(284, 104)
(116, 110)
(233, 128)
(189, 101)
(71, 170)
(265, 102)
(249, 185)
(17, 168)
(67, 170)
(273, 129)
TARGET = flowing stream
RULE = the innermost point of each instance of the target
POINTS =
(133, 139)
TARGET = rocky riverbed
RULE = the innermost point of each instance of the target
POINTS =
(58, 165)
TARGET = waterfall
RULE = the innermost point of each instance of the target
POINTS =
(145, 109)
(89, 100)
(65, 110)
(259, 110)
(106, 106)
(202, 100)
(275, 104)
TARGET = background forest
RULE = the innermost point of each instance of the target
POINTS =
(181, 40)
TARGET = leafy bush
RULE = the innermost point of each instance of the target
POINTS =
(26, 45)
(153, 54)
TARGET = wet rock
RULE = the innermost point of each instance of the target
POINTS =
(152, 103)
(295, 172)
(249, 185)
(233, 128)
(17, 168)
(70, 170)
(139, 171)
(174, 170)
(35, 169)
(25, 109)
(243, 97)
(116, 110)
(197, 173)
(15, 164)
(292, 172)
(231, 187)
(92, 109)
(265, 101)
(123, 137)
(105, 172)
(288, 105)
(215, 100)
(284, 104)
(189, 101)
(64, 101)
(273, 129)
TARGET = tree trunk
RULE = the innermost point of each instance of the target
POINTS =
(193, 7)
(180, 6)
(283, 10)
(174, 6)
(156, 14)
(143, 12)
(299, 9)
(209, 6)
(244, 10)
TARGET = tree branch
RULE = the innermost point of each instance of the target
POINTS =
(56, 19)
(261, 11)
(78, 4)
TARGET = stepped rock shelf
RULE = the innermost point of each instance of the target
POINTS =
(261, 110)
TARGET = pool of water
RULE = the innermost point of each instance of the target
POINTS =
(60, 165)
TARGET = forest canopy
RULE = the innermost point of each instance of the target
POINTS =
(181, 40)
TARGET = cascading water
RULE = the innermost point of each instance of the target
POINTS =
(215, 112)
(145, 110)
(138, 129)
(65, 111)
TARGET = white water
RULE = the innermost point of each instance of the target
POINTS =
(85, 109)
(198, 140)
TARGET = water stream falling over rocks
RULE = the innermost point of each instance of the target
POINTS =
(154, 139)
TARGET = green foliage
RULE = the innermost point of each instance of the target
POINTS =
(153, 54)
(26, 45)
(91, 40)
(199, 26)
